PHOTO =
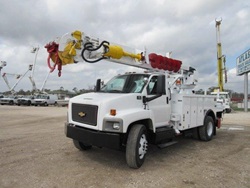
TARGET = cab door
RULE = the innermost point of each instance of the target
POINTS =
(160, 107)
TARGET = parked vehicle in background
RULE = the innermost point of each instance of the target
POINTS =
(223, 98)
(45, 100)
(26, 100)
(10, 100)
(63, 102)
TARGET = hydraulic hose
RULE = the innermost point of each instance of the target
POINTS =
(89, 47)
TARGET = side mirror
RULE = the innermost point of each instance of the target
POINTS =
(161, 85)
(98, 85)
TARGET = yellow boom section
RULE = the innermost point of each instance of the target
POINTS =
(116, 52)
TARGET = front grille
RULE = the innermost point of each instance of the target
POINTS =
(84, 113)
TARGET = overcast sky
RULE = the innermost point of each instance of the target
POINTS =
(187, 28)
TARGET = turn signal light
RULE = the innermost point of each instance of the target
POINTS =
(112, 112)
(178, 82)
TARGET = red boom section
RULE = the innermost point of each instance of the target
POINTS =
(164, 63)
(52, 49)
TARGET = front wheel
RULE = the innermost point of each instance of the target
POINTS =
(206, 131)
(137, 146)
(81, 146)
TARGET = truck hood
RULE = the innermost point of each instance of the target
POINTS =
(97, 98)
(112, 100)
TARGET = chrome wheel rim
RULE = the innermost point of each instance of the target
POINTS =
(210, 129)
(143, 146)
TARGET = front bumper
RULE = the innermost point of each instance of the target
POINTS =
(95, 138)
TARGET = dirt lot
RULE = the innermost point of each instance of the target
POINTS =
(34, 152)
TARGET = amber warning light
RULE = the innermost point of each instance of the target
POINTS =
(112, 112)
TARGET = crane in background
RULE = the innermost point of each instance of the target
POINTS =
(221, 59)
(19, 77)
(2, 64)
(31, 77)
(222, 96)
(44, 82)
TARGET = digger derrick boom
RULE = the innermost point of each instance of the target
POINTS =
(78, 47)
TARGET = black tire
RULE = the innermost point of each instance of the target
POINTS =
(137, 145)
(81, 146)
(29, 103)
(11, 102)
(206, 131)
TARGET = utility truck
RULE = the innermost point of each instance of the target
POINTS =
(223, 98)
(133, 110)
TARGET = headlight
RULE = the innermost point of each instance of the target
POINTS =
(116, 125)
(113, 125)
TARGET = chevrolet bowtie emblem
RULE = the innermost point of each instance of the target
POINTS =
(81, 114)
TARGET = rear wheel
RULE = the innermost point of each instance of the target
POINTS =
(81, 146)
(206, 131)
(137, 146)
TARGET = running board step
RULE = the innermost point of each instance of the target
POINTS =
(164, 145)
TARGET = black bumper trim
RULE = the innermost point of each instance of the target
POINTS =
(95, 138)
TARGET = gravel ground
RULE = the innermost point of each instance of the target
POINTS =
(36, 153)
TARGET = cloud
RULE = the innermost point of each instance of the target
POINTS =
(186, 29)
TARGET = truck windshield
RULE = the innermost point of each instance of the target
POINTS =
(131, 83)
